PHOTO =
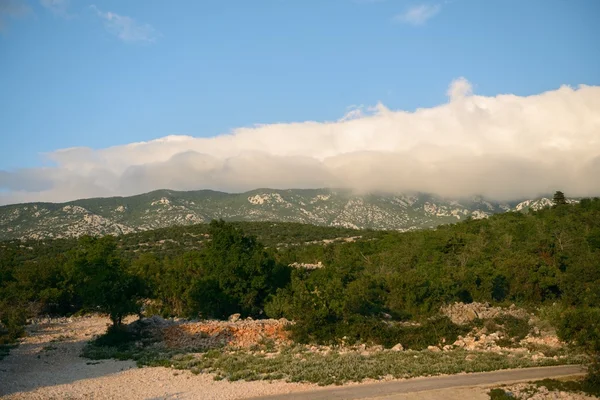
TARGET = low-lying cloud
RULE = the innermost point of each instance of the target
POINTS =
(505, 147)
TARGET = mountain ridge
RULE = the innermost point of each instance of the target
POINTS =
(326, 207)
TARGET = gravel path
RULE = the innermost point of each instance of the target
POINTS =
(46, 365)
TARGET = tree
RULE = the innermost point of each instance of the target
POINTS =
(581, 327)
(102, 280)
(559, 198)
(238, 271)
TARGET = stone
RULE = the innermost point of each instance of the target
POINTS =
(398, 347)
(434, 349)
(234, 317)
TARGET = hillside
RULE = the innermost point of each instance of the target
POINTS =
(164, 208)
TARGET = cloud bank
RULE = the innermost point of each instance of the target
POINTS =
(505, 147)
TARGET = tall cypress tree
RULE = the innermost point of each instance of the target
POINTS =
(559, 198)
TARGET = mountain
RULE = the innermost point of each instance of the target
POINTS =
(162, 208)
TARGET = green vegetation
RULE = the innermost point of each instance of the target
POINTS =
(102, 281)
(559, 198)
(581, 326)
(366, 292)
(499, 394)
(299, 364)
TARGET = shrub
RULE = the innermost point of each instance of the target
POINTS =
(581, 327)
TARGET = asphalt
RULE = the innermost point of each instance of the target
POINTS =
(389, 389)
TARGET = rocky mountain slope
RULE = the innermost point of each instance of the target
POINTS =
(162, 208)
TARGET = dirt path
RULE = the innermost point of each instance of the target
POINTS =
(46, 365)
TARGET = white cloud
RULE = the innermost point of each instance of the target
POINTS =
(126, 28)
(58, 7)
(418, 15)
(504, 147)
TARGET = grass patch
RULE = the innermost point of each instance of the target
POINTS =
(298, 364)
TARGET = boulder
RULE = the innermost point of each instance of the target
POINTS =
(398, 347)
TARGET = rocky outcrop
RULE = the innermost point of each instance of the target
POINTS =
(213, 334)
(461, 313)
(164, 208)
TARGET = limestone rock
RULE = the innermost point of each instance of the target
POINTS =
(398, 347)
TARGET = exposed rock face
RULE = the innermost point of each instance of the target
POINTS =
(212, 334)
(461, 313)
(478, 341)
(163, 208)
(307, 265)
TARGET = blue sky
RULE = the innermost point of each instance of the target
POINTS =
(104, 73)
(202, 68)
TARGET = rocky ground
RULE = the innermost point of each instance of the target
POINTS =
(527, 391)
(47, 364)
(233, 333)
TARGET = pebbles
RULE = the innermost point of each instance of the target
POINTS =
(238, 333)
(47, 365)
(526, 391)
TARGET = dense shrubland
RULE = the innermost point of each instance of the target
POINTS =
(364, 292)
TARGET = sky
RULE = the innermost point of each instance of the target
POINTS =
(499, 98)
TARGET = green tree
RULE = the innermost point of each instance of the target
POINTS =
(559, 198)
(102, 280)
(240, 268)
(581, 327)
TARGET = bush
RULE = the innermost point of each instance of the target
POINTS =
(12, 325)
(499, 394)
(581, 327)
(359, 329)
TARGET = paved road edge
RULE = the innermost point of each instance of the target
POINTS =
(381, 389)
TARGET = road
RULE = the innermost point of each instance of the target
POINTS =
(459, 385)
